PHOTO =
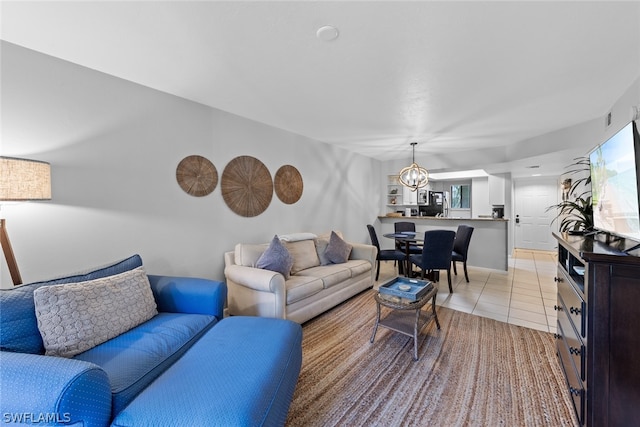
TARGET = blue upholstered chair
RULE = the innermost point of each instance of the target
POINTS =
(461, 248)
(399, 227)
(436, 253)
(386, 254)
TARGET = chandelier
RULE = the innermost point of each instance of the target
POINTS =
(414, 176)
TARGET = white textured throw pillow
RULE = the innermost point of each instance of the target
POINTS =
(75, 317)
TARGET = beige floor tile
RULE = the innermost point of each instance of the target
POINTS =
(497, 287)
(526, 278)
(526, 298)
(549, 295)
(495, 299)
(529, 316)
(534, 292)
(528, 306)
(497, 290)
(501, 278)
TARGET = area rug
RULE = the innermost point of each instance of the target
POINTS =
(474, 371)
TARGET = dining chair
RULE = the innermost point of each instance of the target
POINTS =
(386, 254)
(461, 248)
(436, 253)
(401, 226)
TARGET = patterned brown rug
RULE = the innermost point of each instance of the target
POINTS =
(473, 372)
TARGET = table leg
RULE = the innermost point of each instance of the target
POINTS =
(375, 327)
(415, 335)
(433, 310)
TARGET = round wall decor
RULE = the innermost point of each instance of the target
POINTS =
(288, 184)
(246, 186)
(196, 175)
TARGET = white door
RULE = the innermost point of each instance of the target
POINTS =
(532, 222)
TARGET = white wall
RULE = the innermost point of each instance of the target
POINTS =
(114, 147)
(480, 204)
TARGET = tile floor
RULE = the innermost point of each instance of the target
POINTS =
(524, 295)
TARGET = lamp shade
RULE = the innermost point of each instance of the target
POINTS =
(22, 179)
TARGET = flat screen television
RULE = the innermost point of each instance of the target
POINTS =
(614, 184)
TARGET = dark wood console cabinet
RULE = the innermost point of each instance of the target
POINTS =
(599, 328)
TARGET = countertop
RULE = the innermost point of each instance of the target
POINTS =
(433, 218)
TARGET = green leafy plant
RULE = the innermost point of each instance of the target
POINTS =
(576, 214)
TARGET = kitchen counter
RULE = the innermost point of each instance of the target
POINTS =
(489, 244)
(433, 218)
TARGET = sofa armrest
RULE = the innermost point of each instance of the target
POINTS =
(365, 252)
(255, 278)
(49, 390)
(189, 295)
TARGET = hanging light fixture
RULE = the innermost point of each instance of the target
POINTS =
(414, 176)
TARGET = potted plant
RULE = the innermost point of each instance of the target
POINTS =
(576, 214)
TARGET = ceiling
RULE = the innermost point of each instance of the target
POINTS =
(460, 78)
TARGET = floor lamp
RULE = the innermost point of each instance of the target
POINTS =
(21, 180)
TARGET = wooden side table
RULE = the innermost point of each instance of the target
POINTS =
(407, 318)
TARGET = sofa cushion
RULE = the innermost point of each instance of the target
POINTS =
(243, 372)
(301, 287)
(295, 237)
(304, 255)
(330, 275)
(18, 324)
(75, 317)
(134, 359)
(358, 266)
(276, 258)
(247, 255)
(338, 250)
(321, 248)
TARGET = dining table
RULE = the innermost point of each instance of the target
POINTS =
(407, 238)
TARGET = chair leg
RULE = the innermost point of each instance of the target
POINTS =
(455, 270)
(378, 271)
(449, 279)
(466, 275)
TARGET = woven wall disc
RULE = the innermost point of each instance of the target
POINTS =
(288, 184)
(196, 175)
(246, 186)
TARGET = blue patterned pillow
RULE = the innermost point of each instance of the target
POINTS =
(18, 325)
(276, 258)
(338, 250)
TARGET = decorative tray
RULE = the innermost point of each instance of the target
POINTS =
(403, 287)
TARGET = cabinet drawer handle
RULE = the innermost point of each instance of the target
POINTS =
(574, 350)
(575, 391)
(574, 310)
(557, 307)
(557, 279)
(557, 336)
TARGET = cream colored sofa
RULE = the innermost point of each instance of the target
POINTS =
(311, 289)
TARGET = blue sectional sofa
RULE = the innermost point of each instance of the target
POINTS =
(185, 365)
